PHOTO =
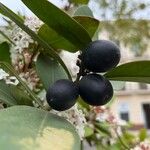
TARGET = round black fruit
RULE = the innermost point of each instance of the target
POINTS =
(95, 90)
(62, 95)
(100, 56)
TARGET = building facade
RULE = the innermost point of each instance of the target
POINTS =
(132, 102)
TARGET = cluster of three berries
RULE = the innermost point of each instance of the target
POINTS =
(98, 57)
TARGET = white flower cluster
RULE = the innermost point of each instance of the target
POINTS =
(70, 61)
(33, 23)
(8, 79)
(104, 114)
(20, 38)
(76, 117)
(145, 145)
(30, 78)
(20, 52)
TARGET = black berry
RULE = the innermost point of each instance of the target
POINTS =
(100, 56)
(95, 90)
(62, 95)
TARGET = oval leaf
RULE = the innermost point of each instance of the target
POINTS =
(28, 128)
(59, 42)
(138, 71)
(49, 70)
(83, 11)
(89, 23)
(59, 21)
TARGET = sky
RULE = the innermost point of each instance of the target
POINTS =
(17, 5)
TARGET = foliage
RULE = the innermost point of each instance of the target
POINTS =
(42, 52)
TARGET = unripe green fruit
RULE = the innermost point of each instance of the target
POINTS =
(100, 56)
(95, 90)
(62, 95)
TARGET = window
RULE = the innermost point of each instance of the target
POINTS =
(124, 111)
(124, 116)
(146, 109)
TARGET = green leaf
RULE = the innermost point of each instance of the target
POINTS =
(11, 15)
(11, 95)
(83, 11)
(138, 71)
(79, 1)
(20, 96)
(82, 104)
(5, 95)
(88, 131)
(128, 138)
(103, 128)
(58, 42)
(142, 134)
(28, 128)
(59, 21)
(90, 24)
(4, 52)
(49, 70)
(115, 146)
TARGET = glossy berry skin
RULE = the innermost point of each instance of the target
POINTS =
(100, 56)
(62, 95)
(95, 90)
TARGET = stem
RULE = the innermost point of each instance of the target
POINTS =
(121, 140)
(23, 84)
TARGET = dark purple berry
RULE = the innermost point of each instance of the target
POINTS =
(100, 56)
(62, 95)
(95, 90)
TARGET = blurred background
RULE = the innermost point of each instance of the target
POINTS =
(127, 24)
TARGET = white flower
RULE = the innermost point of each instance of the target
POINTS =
(20, 38)
(8, 79)
(70, 61)
(76, 117)
(33, 23)
(3, 74)
(12, 80)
